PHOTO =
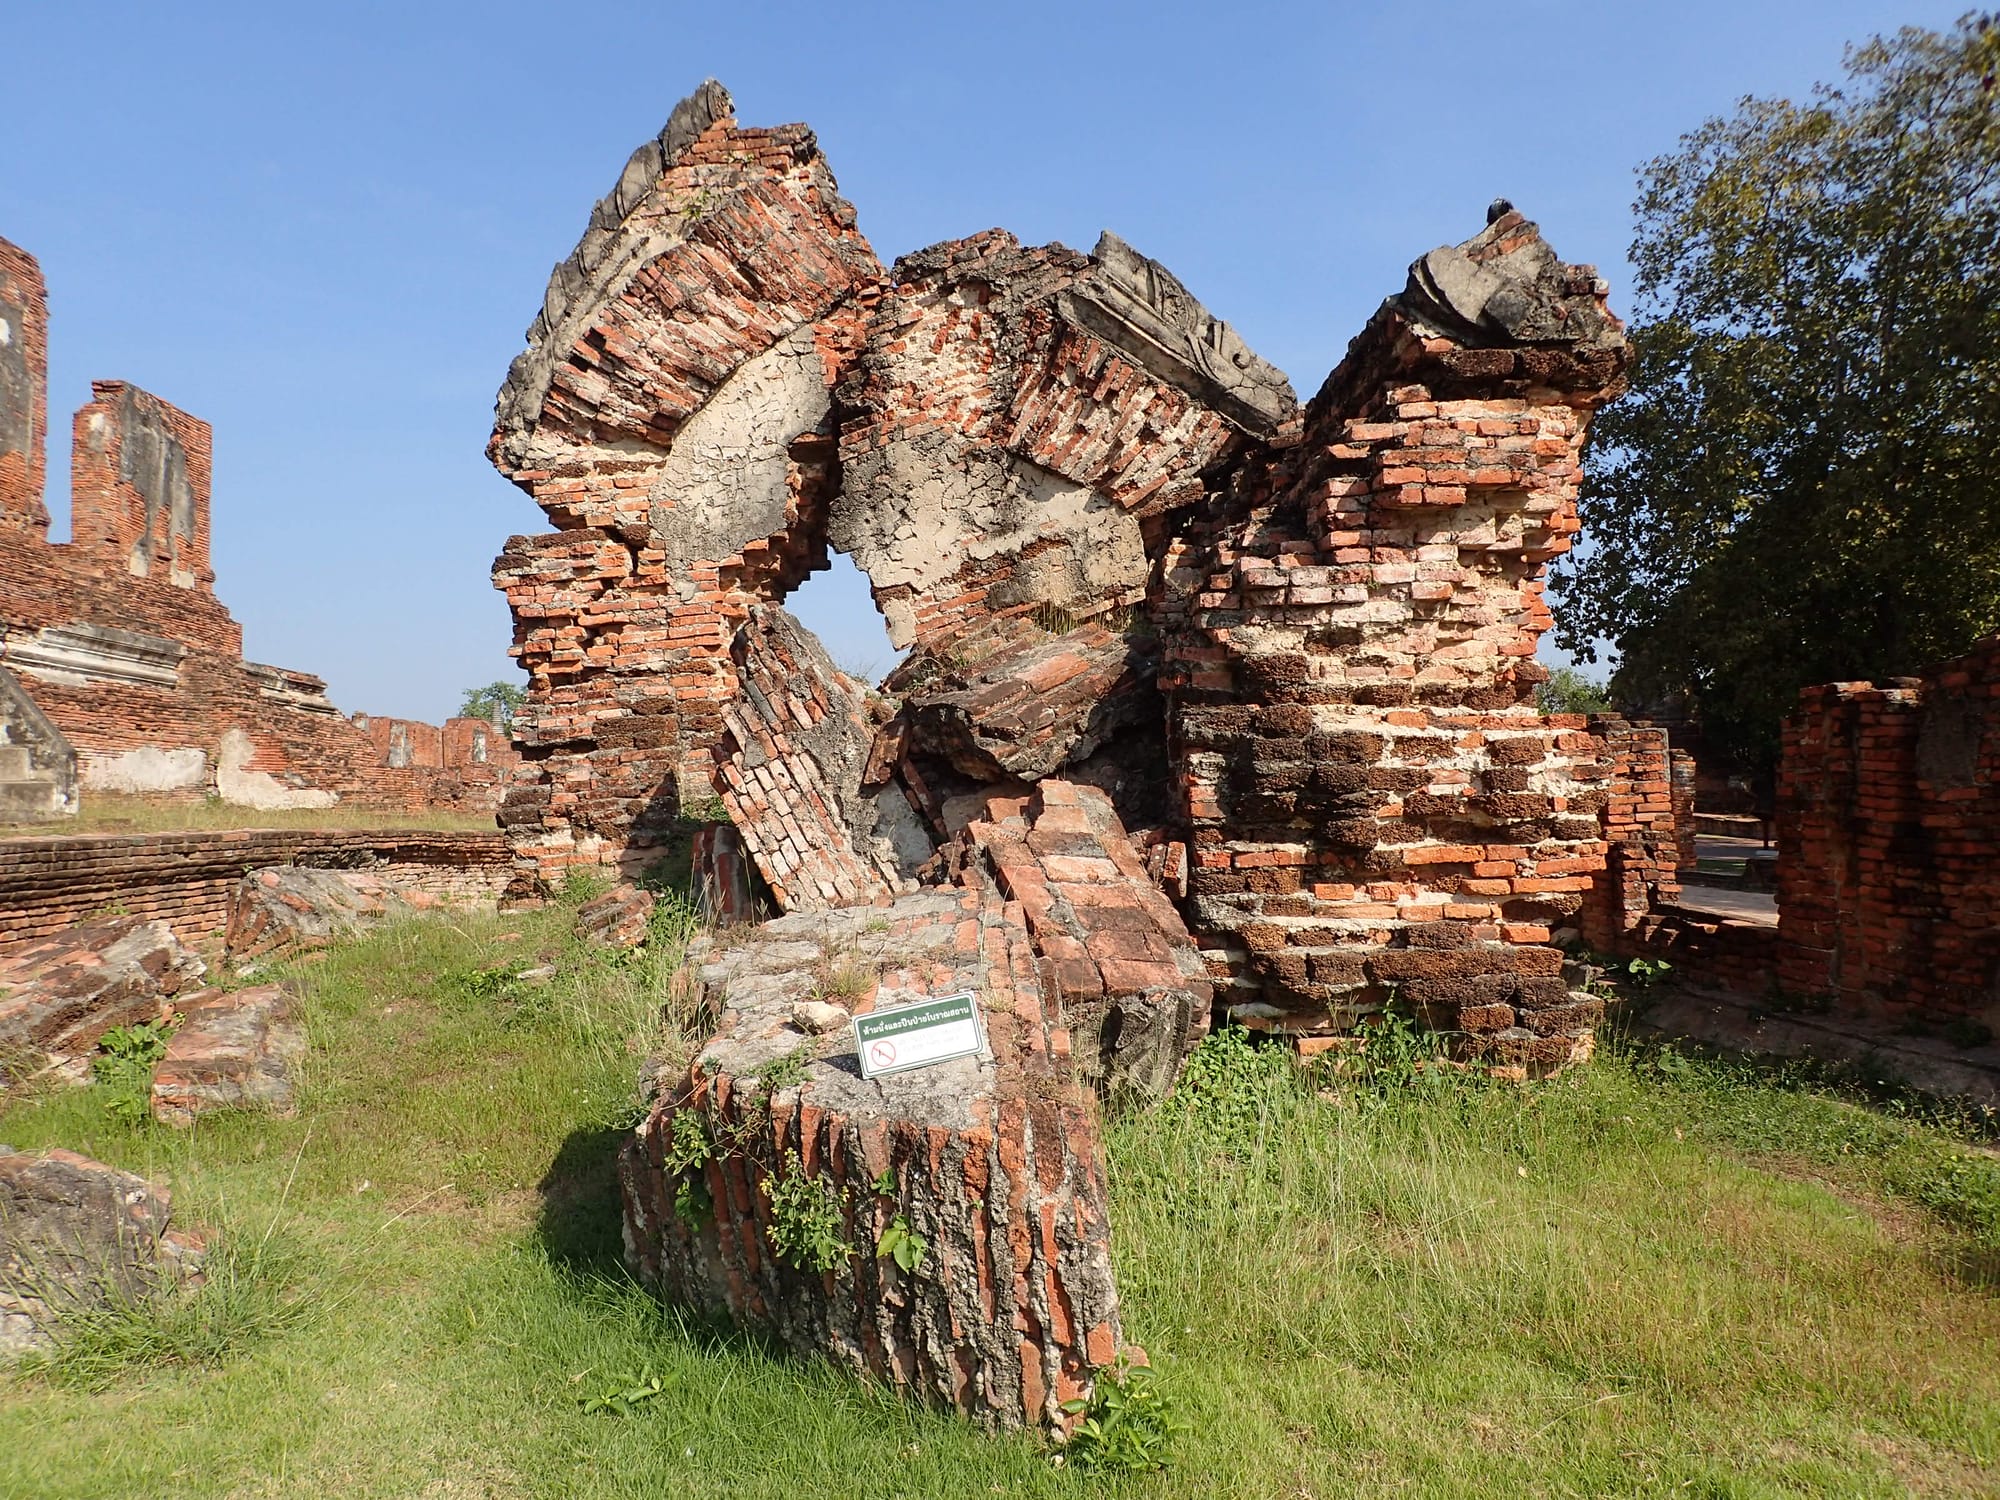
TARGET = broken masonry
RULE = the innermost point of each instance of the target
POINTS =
(1215, 705)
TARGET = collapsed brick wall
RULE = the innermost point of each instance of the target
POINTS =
(1889, 831)
(1299, 642)
(185, 879)
(117, 634)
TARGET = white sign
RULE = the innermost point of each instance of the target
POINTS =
(919, 1034)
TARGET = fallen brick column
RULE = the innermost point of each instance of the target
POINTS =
(995, 1162)
(1116, 960)
(233, 1049)
(791, 765)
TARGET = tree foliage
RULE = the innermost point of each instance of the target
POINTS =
(496, 701)
(1568, 691)
(1804, 484)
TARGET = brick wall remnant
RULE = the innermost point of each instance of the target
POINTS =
(37, 762)
(117, 635)
(187, 880)
(24, 391)
(1889, 839)
(1376, 808)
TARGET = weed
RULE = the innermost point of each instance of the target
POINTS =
(1125, 1427)
(806, 1219)
(689, 1146)
(884, 1185)
(709, 809)
(124, 1067)
(1646, 972)
(624, 1398)
(694, 1205)
(788, 1071)
(248, 1297)
(902, 1244)
(488, 983)
(581, 886)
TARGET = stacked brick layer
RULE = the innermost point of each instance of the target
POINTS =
(187, 879)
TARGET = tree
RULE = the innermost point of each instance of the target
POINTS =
(496, 701)
(1803, 485)
(1568, 691)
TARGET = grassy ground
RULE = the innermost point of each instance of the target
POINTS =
(1660, 1275)
(107, 812)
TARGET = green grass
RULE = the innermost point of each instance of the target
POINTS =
(109, 812)
(1658, 1275)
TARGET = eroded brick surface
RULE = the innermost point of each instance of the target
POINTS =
(232, 1049)
(61, 993)
(1116, 960)
(994, 1161)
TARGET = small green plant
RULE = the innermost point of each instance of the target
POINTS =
(580, 886)
(623, 1398)
(788, 1071)
(902, 1244)
(124, 1067)
(1125, 1427)
(689, 1147)
(884, 1185)
(1646, 972)
(806, 1219)
(488, 983)
(694, 1205)
(709, 809)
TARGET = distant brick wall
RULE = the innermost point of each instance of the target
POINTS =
(184, 879)
(1889, 832)
(117, 636)
(24, 396)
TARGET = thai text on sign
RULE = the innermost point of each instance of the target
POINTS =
(918, 1034)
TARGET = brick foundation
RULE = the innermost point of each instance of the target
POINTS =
(185, 879)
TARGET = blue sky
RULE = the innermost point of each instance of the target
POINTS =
(325, 229)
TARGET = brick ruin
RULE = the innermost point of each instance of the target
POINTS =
(1215, 705)
(1295, 646)
(1889, 832)
(120, 670)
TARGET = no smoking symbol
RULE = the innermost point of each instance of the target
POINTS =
(882, 1053)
